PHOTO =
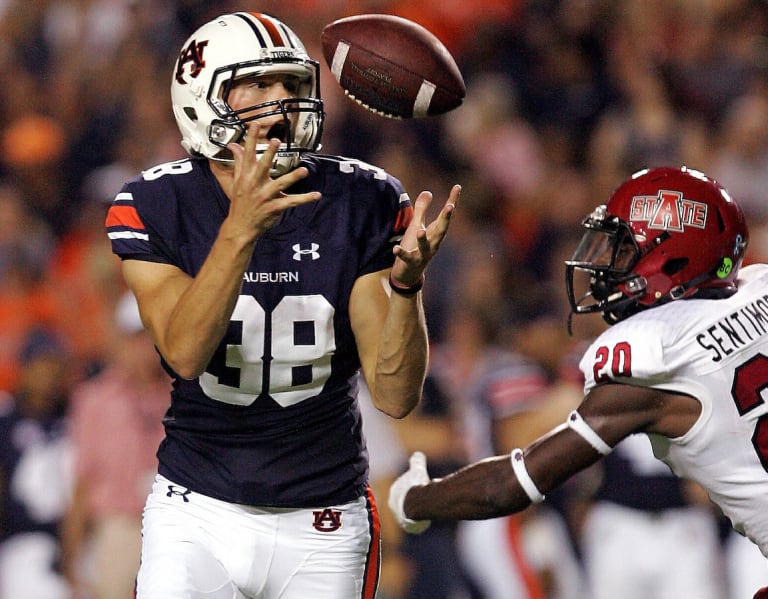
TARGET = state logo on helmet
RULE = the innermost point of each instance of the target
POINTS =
(665, 234)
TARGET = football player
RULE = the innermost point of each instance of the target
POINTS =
(268, 275)
(685, 361)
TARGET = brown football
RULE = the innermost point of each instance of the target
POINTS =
(392, 66)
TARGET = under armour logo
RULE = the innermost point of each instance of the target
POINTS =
(172, 490)
(327, 521)
(312, 251)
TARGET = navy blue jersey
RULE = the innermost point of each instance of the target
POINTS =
(274, 420)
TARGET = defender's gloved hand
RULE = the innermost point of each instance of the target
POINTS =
(416, 475)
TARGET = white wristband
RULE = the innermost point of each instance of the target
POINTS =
(579, 425)
(518, 465)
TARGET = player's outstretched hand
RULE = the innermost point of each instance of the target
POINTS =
(415, 475)
(421, 241)
(257, 200)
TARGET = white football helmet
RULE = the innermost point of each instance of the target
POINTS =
(228, 48)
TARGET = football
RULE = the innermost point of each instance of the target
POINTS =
(392, 66)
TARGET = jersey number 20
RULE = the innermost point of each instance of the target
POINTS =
(749, 381)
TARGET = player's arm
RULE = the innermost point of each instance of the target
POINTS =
(390, 328)
(391, 336)
(187, 317)
(507, 484)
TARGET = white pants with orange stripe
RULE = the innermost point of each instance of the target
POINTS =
(196, 547)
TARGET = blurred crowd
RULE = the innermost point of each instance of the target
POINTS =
(565, 99)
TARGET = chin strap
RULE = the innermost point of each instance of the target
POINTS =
(713, 293)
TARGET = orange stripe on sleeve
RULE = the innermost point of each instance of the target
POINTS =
(404, 217)
(126, 216)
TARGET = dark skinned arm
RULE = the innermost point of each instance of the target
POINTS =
(490, 489)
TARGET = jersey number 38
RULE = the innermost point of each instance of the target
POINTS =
(285, 354)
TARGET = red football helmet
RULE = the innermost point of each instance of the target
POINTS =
(665, 234)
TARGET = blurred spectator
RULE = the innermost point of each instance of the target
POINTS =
(472, 269)
(117, 425)
(386, 456)
(642, 519)
(25, 301)
(33, 148)
(24, 239)
(84, 266)
(436, 568)
(710, 59)
(493, 139)
(501, 401)
(454, 21)
(746, 568)
(643, 129)
(35, 471)
(739, 162)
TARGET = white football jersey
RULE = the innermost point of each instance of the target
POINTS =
(717, 352)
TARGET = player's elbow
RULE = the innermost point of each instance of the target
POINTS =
(397, 412)
(188, 373)
(185, 367)
(397, 408)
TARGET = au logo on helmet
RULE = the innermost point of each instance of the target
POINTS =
(669, 211)
(193, 54)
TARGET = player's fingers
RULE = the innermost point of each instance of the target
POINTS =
(300, 198)
(450, 206)
(455, 194)
(287, 180)
(251, 136)
(290, 178)
(237, 155)
(453, 199)
(244, 150)
(267, 158)
(408, 256)
(439, 228)
(425, 243)
(420, 206)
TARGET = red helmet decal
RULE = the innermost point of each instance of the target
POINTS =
(668, 211)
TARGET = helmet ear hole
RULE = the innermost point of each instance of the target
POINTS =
(190, 112)
(674, 266)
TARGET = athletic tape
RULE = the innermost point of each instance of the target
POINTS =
(579, 425)
(518, 465)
